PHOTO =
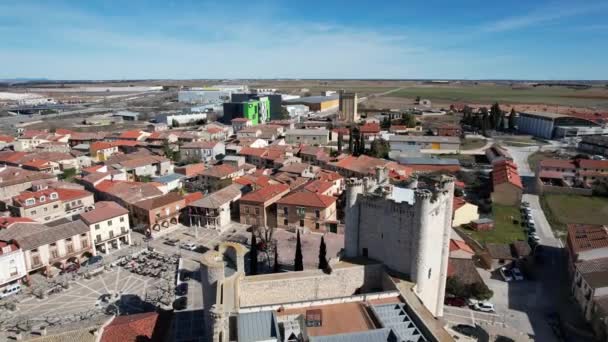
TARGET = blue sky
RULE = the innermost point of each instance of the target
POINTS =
(515, 39)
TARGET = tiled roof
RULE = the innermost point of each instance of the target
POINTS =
(584, 237)
(131, 328)
(129, 192)
(219, 171)
(6, 138)
(103, 211)
(362, 164)
(370, 128)
(6, 222)
(156, 202)
(457, 245)
(296, 168)
(505, 171)
(133, 134)
(266, 193)
(558, 163)
(239, 120)
(595, 272)
(459, 202)
(191, 169)
(593, 164)
(318, 186)
(259, 180)
(32, 235)
(37, 163)
(101, 145)
(217, 199)
(252, 151)
(329, 176)
(65, 195)
(464, 270)
(14, 175)
(11, 157)
(308, 199)
(194, 196)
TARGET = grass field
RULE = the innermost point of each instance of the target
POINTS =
(563, 209)
(505, 231)
(472, 143)
(595, 97)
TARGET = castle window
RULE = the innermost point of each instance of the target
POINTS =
(430, 269)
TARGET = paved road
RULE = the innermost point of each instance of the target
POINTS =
(543, 228)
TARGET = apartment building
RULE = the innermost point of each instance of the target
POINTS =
(109, 226)
(12, 263)
(309, 210)
(205, 151)
(159, 215)
(51, 204)
(258, 207)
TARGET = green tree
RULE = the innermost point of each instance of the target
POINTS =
(481, 291)
(175, 123)
(253, 255)
(512, 118)
(417, 100)
(340, 142)
(379, 148)
(284, 115)
(322, 255)
(455, 287)
(350, 140)
(298, 264)
(386, 123)
(495, 114)
(68, 175)
(408, 120)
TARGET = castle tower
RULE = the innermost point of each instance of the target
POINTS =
(354, 187)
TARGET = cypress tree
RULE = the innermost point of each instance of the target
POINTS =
(276, 267)
(322, 255)
(512, 119)
(340, 142)
(253, 255)
(298, 262)
(350, 140)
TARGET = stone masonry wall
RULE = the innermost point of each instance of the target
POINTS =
(310, 285)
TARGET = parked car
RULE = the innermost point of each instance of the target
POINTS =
(465, 329)
(184, 275)
(484, 307)
(169, 243)
(181, 289)
(189, 246)
(10, 290)
(534, 237)
(70, 268)
(525, 204)
(92, 260)
(180, 303)
(506, 274)
(517, 275)
(455, 301)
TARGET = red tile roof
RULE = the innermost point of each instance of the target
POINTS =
(6, 222)
(307, 199)
(62, 195)
(12, 157)
(456, 245)
(259, 180)
(593, 164)
(104, 210)
(252, 151)
(459, 202)
(505, 171)
(129, 143)
(558, 163)
(131, 328)
(191, 169)
(6, 138)
(370, 128)
(318, 186)
(583, 237)
(37, 163)
(266, 193)
(133, 134)
(101, 145)
(239, 120)
(191, 197)
(219, 171)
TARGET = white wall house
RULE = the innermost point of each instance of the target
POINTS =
(12, 263)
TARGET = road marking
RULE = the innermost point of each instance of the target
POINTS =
(474, 319)
(473, 311)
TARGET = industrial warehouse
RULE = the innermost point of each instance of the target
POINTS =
(553, 125)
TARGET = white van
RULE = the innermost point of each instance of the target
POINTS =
(10, 290)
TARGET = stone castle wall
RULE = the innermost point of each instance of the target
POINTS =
(345, 280)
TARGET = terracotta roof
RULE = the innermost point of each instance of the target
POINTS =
(362, 164)
(133, 134)
(558, 163)
(217, 199)
(14, 175)
(329, 176)
(6, 138)
(252, 151)
(194, 196)
(11, 157)
(239, 120)
(101, 145)
(464, 270)
(219, 171)
(103, 211)
(33, 235)
(370, 128)
(308, 199)
(129, 192)
(65, 195)
(296, 168)
(459, 202)
(132, 328)
(595, 272)
(259, 180)
(6, 222)
(505, 171)
(500, 251)
(37, 163)
(457, 245)
(318, 186)
(129, 143)
(191, 169)
(156, 202)
(213, 130)
(584, 237)
(593, 164)
(266, 193)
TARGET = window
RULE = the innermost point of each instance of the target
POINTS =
(111, 234)
(54, 254)
(70, 248)
(54, 196)
(35, 260)
(109, 222)
(46, 209)
(285, 211)
(430, 269)
(301, 223)
(98, 238)
(96, 227)
(257, 211)
(47, 218)
(13, 271)
(123, 230)
(42, 198)
(317, 213)
(285, 222)
(84, 243)
(55, 206)
(246, 219)
(365, 252)
(246, 210)
(317, 226)
(30, 201)
(122, 219)
(33, 212)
